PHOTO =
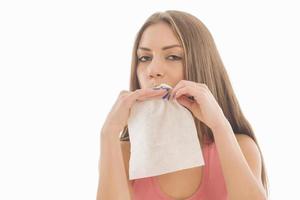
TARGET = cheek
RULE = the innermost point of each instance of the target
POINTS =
(182, 73)
(179, 77)
(140, 75)
(178, 74)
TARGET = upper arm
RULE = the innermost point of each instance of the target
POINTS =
(251, 153)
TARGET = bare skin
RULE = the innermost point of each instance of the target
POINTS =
(158, 66)
(178, 185)
(239, 156)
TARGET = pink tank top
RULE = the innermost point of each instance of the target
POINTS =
(212, 186)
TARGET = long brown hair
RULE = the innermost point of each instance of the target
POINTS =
(203, 64)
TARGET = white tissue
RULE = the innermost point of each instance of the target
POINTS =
(163, 139)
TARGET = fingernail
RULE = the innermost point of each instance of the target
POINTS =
(165, 95)
(155, 88)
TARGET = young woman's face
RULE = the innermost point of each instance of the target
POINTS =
(160, 57)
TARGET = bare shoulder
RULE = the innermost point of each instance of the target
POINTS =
(251, 153)
(245, 139)
(247, 143)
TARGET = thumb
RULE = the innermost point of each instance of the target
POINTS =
(185, 102)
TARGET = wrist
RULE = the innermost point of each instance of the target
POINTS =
(221, 126)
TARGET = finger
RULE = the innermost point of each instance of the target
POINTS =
(181, 84)
(185, 101)
(159, 93)
(188, 91)
(149, 97)
(152, 92)
(146, 92)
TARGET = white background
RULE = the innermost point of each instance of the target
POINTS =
(63, 63)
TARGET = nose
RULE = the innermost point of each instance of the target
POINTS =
(155, 70)
(155, 74)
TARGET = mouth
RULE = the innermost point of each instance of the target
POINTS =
(163, 85)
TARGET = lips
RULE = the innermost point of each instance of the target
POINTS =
(165, 87)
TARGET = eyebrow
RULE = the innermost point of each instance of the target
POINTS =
(164, 48)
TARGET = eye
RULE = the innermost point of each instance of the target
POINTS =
(174, 57)
(146, 58)
(141, 58)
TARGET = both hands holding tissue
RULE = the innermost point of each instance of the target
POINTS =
(161, 126)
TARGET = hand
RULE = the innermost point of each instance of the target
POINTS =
(119, 114)
(199, 100)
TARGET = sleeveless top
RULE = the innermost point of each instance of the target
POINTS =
(212, 186)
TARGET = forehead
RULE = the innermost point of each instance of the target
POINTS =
(158, 35)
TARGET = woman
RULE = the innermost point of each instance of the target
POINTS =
(176, 48)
